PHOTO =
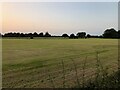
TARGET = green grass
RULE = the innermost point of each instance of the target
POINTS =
(38, 63)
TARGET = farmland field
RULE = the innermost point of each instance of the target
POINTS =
(37, 63)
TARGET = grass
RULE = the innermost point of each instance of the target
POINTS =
(55, 62)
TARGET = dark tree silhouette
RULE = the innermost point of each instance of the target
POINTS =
(47, 34)
(72, 36)
(81, 34)
(31, 37)
(65, 35)
(35, 34)
(41, 34)
(100, 36)
(118, 33)
(110, 33)
(22, 35)
(0, 35)
(88, 35)
(11, 34)
(93, 36)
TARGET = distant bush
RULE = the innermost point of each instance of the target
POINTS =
(72, 36)
(47, 35)
(81, 34)
(31, 37)
(65, 35)
(110, 33)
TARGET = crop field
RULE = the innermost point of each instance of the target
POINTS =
(55, 63)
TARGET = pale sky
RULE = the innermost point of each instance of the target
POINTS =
(59, 17)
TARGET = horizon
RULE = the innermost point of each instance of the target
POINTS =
(59, 17)
(57, 35)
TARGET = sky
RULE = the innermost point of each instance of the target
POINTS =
(59, 17)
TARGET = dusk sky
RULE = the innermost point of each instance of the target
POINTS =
(59, 17)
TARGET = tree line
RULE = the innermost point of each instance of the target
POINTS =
(108, 33)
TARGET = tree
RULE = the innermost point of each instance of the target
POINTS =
(47, 34)
(41, 34)
(22, 35)
(72, 36)
(0, 35)
(110, 33)
(118, 33)
(31, 37)
(81, 34)
(65, 35)
(35, 34)
(8, 34)
(88, 35)
(17, 34)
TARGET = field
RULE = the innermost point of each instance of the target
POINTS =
(44, 63)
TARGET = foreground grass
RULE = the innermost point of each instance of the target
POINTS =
(55, 62)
